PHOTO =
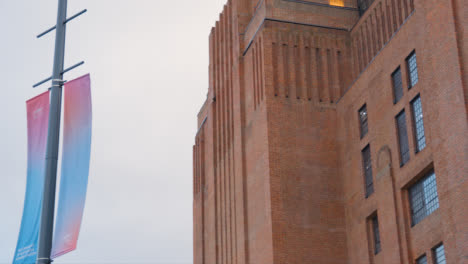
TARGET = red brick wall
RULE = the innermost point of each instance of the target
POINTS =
(307, 205)
(441, 92)
(460, 11)
(277, 161)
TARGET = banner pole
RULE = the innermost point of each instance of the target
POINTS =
(48, 200)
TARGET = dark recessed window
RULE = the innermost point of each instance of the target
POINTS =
(363, 5)
(419, 134)
(376, 234)
(422, 260)
(402, 138)
(439, 254)
(363, 121)
(367, 166)
(423, 197)
(397, 85)
(412, 69)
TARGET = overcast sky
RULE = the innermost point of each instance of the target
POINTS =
(148, 61)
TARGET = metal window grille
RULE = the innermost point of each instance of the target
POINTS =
(397, 85)
(376, 233)
(420, 137)
(422, 260)
(403, 138)
(412, 69)
(363, 121)
(439, 254)
(423, 197)
(367, 165)
(363, 5)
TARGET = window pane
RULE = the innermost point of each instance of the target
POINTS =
(397, 85)
(412, 70)
(422, 260)
(367, 166)
(423, 197)
(439, 255)
(375, 229)
(418, 211)
(418, 124)
(430, 193)
(403, 138)
(363, 120)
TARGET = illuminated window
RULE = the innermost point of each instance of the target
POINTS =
(337, 2)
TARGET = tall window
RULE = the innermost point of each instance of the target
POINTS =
(423, 197)
(367, 165)
(439, 254)
(422, 260)
(376, 234)
(419, 135)
(397, 85)
(412, 69)
(403, 138)
(363, 5)
(363, 121)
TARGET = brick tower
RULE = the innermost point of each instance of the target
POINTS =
(312, 144)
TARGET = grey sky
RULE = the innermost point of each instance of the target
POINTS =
(148, 61)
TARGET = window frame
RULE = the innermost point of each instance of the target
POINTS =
(417, 147)
(367, 172)
(395, 99)
(402, 154)
(363, 133)
(420, 259)
(421, 191)
(434, 254)
(367, 2)
(377, 241)
(408, 69)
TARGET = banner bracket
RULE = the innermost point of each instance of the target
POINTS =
(64, 71)
(58, 82)
(51, 260)
(66, 21)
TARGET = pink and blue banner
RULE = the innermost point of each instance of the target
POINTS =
(38, 120)
(75, 164)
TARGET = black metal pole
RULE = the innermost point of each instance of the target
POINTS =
(48, 200)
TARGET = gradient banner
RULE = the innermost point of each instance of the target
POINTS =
(38, 121)
(75, 164)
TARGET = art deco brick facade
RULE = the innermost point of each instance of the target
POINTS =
(281, 172)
